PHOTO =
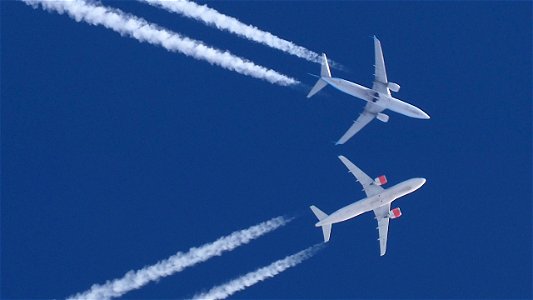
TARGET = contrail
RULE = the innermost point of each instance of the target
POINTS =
(212, 17)
(133, 280)
(143, 31)
(227, 289)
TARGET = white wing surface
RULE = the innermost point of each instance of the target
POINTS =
(368, 114)
(368, 184)
(380, 74)
(382, 213)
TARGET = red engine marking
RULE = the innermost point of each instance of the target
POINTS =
(396, 212)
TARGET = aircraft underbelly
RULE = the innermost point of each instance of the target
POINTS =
(351, 211)
(351, 88)
(404, 108)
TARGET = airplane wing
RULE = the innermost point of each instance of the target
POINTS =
(368, 114)
(369, 187)
(380, 74)
(383, 226)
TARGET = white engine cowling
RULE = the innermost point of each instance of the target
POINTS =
(381, 180)
(393, 86)
(382, 117)
(395, 213)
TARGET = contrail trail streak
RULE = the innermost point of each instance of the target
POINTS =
(212, 17)
(229, 288)
(144, 31)
(133, 280)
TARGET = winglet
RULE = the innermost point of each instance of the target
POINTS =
(376, 40)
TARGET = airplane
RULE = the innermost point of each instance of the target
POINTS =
(378, 200)
(378, 98)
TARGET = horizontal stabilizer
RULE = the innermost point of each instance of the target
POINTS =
(320, 84)
(326, 229)
(318, 213)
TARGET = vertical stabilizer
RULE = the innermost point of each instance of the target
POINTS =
(326, 229)
(324, 70)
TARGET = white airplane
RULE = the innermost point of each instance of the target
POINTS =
(378, 199)
(378, 98)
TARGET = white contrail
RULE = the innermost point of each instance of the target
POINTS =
(143, 31)
(227, 289)
(133, 280)
(212, 17)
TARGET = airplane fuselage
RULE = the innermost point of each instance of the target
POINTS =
(380, 99)
(368, 204)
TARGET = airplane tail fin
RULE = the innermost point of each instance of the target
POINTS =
(326, 229)
(324, 69)
(324, 72)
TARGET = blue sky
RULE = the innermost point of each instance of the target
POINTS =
(117, 154)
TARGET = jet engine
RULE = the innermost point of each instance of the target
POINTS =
(382, 117)
(381, 180)
(393, 86)
(395, 213)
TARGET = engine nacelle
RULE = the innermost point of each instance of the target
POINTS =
(393, 86)
(395, 213)
(382, 117)
(381, 180)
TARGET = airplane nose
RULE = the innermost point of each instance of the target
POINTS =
(420, 182)
(422, 114)
(416, 112)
